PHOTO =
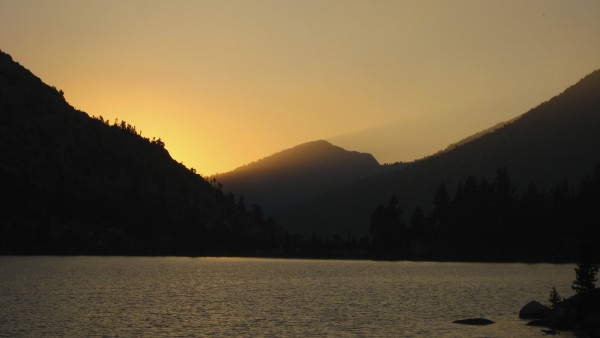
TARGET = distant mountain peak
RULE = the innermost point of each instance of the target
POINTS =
(556, 141)
(315, 143)
(288, 176)
(306, 154)
(318, 145)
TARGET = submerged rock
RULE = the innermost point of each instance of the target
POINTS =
(534, 310)
(474, 321)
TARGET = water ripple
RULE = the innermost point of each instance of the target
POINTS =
(214, 297)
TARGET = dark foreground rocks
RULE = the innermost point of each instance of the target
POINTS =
(580, 313)
(534, 310)
(474, 321)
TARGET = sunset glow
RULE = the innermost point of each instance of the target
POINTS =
(224, 83)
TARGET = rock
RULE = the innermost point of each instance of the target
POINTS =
(562, 323)
(564, 316)
(575, 313)
(540, 322)
(550, 331)
(474, 321)
(590, 324)
(534, 310)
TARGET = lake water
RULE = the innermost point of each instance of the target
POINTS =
(215, 297)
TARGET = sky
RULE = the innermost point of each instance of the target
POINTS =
(224, 83)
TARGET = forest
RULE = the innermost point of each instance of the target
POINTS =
(74, 184)
(489, 221)
(482, 221)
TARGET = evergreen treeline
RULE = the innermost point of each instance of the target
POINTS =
(488, 221)
(554, 141)
(98, 190)
(71, 184)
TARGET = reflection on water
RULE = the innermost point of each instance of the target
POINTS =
(184, 297)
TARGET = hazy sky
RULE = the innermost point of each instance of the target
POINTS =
(224, 83)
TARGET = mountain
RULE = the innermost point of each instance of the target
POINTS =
(557, 141)
(293, 175)
(72, 184)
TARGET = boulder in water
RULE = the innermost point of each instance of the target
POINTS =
(474, 321)
(534, 310)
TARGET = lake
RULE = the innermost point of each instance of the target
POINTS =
(215, 297)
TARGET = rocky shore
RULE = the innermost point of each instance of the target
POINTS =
(579, 313)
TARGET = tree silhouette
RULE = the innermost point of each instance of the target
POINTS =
(490, 221)
(585, 277)
(388, 229)
(554, 297)
(441, 205)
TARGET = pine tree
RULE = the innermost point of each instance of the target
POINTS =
(585, 277)
(555, 297)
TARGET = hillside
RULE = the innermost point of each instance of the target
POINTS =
(72, 184)
(293, 175)
(556, 141)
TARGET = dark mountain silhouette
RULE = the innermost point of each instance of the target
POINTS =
(555, 142)
(71, 184)
(293, 175)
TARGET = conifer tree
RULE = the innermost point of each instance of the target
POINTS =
(554, 297)
(585, 277)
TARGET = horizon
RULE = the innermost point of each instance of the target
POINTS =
(235, 82)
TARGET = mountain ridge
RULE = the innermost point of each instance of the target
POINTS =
(561, 134)
(79, 185)
(291, 175)
(318, 149)
(72, 184)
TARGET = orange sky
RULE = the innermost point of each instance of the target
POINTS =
(224, 83)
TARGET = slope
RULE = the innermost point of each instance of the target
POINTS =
(293, 175)
(72, 184)
(556, 141)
